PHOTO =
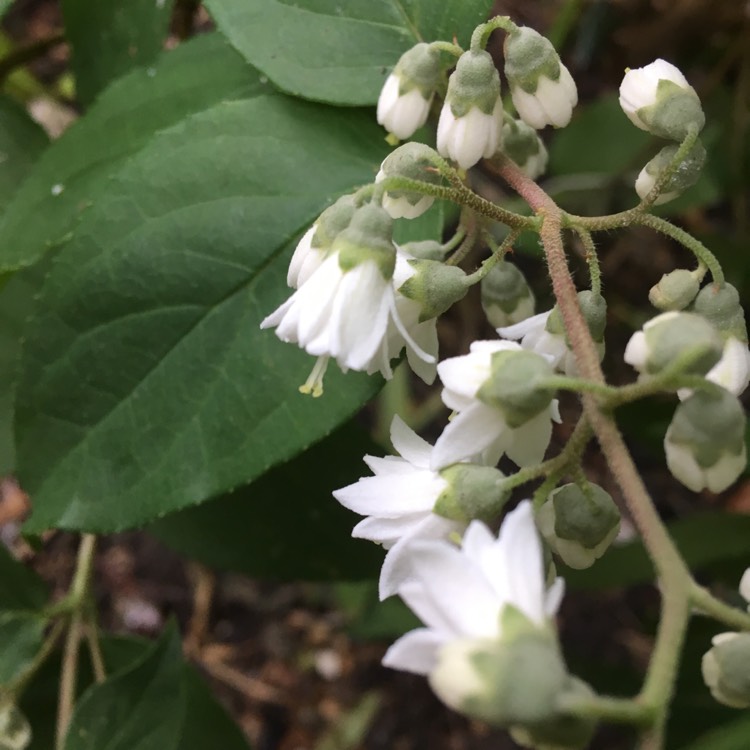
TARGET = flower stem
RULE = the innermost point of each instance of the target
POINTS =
(592, 259)
(498, 253)
(710, 605)
(481, 34)
(666, 174)
(621, 710)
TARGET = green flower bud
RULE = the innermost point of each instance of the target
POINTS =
(516, 385)
(332, 222)
(15, 732)
(594, 309)
(413, 161)
(564, 732)
(579, 526)
(506, 296)
(472, 492)
(506, 681)
(726, 669)
(675, 290)
(474, 83)
(705, 443)
(369, 236)
(522, 144)
(671, 337)
(685, 176)
(419, 67)
(720, 305)
(425, 250)
(435, 286)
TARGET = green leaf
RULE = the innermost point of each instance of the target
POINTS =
(146, 383)
(335, 51)
(111, 38)
(73, 173)
(4, 5)
(142, 708)
(704, 539)
(21, 635)
(733, 735)
(286, 525)
(21, 143)
(21, 588)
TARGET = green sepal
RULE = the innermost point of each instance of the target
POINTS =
(528, 57)
(473, 492)
(413, 161)
(720, 305)
(594, 309)
(369, 236)
(425, 250)
(582, 516)
(474, 83)
(506, 287)
(435, 286)
(680, 335)
(419, 67)
(520, 141)
(674, 291)
(675, 111)
(332, 222)
(688, 171)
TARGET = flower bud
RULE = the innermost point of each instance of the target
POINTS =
(744, 586)
(473, 491)
(675, 290)
(565, 731)
(506, 681)
(594, 309)
(705, 442)
(516, 385)
(658, 98)
(369, 236)
(470, 125)
(405, 99)
(720, 305)
(522, 144)
(506, 296)
(685, 176)
(15, 732)
(543, 91)
(435, 286)
(312, 249)
(726, 669)
(415, 161)
(579, 526)
(672, 337)
(424, 249)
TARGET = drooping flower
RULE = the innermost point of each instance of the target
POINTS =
(461, 593)
(471, 121)
(732, 371)
(685, 175)
(726, 669)
(345, 309)
(522, 144)
(507, 297)
(401, 500)
(501, 403)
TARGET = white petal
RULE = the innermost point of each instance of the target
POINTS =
(529, 442)
(636, 351)
(519, 330)
(468, 434)
(408, 113)
(425, 335)
(415, 652)
(528, 107)
(555, 101)
(683, 466)
(301, 252)
(412, 447)
(745, 585)
(725, 471)
(471, 136)
(554, 597)
(446, 125)
(732, 371)
(388, 97)
(388, 465)
(387, 531)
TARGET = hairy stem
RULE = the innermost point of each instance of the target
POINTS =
(713, 607)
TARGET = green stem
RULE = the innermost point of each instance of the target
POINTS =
(449, 47)
(466, 246)
(592, 259)
(621, 710)
(498, 253)
(579, 385)
(481, 34)
(725, 613)
(17, 687)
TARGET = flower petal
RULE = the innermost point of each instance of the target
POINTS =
(468, 434)
(412, 447)
(415, 652)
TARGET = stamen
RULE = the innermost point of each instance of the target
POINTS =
(314, 383)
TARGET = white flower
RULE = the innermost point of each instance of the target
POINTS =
(479, 431)
(551, 103)
(402, 113)
(305, 261)
(535, 337)
(398, 500)
(461, 593)
(639, 88)
(684, 467)
(401, 207)
(468, 138)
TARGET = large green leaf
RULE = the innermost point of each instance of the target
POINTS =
(111, 38)
(335, 51)
(146, 384)
(21, 637)
(73, 173)
(734, 735)
(286, 525)
(21, 143)
(142, 708)
(20, 587)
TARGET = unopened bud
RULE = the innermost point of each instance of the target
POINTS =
(369, 236)
(522, 144)
(542, 88)
(675, 290)
(504, 681)
(516, 385)
(579, 526)
(658, 98)
(705, 442)
(473, 492)
(726, 669)
(720, 305)
(15, 732)
(565, 731)
(506, 296)
(685, 176)
(414, 161)
(435, 286)
(594, 309)
(672, 337)
(470, 125)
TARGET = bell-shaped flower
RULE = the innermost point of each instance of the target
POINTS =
(658, 98)
(406, 96)
(726, 669)
(464, 593)
(471, 121)
(507, 297)
(502, 406)
(345, 309)
(543, 91)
